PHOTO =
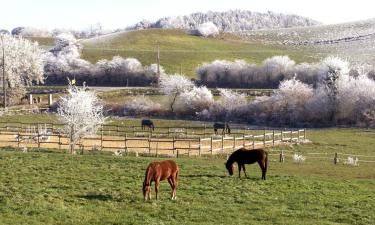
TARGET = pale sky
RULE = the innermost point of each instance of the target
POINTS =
(80, 14)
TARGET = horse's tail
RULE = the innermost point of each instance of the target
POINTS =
(266, 162)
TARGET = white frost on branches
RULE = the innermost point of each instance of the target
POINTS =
(195, 100)
(207, 30)
(23, 64)
(81, 112)
(173, 86)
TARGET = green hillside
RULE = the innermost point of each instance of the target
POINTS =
(179, 49)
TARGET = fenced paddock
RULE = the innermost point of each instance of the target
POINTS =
(171, 141)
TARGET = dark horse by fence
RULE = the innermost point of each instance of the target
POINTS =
(147, 123)
(158, 171)
(224, 126)
(243, 156)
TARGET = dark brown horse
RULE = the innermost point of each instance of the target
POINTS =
(243, 156)
(224, 126)
(158, 171)
(147, 123)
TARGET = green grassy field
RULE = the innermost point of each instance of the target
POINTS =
(180, 50)
(47, 187)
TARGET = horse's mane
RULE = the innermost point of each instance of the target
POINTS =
(230, 160)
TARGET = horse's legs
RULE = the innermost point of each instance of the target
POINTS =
(157, 184)
(244, 170)
(239, 170)
(263, 168)
(174, 185)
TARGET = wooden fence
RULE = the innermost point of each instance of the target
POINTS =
(172, 141)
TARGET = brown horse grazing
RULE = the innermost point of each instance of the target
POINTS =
(243, 156)
(158, 171)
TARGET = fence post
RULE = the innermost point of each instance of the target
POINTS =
(149, 144)
(186, 131)
(126, 147)
(211, 145)
(157, 148)
(264, 138)
(222, 143)
(298, 136)
(189, 148)
(291, 136)
(59, 142)
(253, 141)
(234, 142)
(173, 145)
(282, 136)
(18, 139)
(38, 136)
(304, 134)
(335, 160)
(101, 138)
(243, 140)
(200, 146)
(282, 156)
(273, 138)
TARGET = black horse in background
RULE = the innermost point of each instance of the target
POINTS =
(243, 156)
(148, 123)
(224, 126)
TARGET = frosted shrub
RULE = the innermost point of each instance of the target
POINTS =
(194, 100)
(355, 97)
(81, 112)
(207, 30)
(239, 74)
(291, 98)
(64, 60)
(141, 105)
(228, 105)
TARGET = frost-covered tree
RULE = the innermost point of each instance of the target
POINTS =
(81, 112)
(195, 100)
(23, 65)
(173, 86)
(207, 30)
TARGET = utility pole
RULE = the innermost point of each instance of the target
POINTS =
(4, 81)
(158, 61)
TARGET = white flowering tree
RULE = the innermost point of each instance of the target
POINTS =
(81, 112)
(23, 65)
(173, 86)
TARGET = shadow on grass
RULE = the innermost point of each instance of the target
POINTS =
(98, 197)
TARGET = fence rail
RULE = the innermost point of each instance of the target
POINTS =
(165, 140)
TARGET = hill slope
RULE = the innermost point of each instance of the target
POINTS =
(178, 49)
(354, 40)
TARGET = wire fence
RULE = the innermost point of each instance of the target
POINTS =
(336, 157)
